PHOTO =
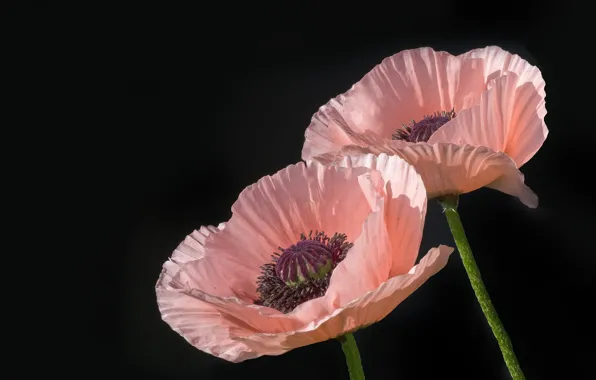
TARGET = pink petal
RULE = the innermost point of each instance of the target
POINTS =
(329, 130)
(174, 275)
(197, 322)
(508, 119)
(326, 130)
(498, 61)
(386, 146)
(204, 273)
(203, 326)
(403, 212)
(330, 137)
(369, 308)
(192, 247)
(453, 169)
(529, 131)
(251, 317)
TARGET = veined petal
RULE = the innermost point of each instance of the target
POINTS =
(197, 322)
(449, 169)
(498, 61)
(509, 118)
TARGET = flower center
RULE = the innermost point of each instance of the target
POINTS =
(423, 129)
(304, 261)
(300, 272)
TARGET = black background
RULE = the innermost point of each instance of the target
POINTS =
(195, 102)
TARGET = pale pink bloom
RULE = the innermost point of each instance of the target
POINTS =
(484, 98)
(226, 294)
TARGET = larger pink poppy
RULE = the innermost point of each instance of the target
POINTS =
(485, 98)
(227, 293)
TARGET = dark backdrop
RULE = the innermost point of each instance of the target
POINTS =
(208, 100)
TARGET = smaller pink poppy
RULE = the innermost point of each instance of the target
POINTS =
(228, 294)
(484, 98)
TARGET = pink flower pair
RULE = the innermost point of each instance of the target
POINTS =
(325, 247)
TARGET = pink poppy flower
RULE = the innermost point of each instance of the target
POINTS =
(485, 98)
(228, 294)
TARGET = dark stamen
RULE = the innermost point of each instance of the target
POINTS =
(423, 129)
(300, 272)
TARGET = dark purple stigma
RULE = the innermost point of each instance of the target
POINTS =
(422, 130)
(300, 272)
(307, 259)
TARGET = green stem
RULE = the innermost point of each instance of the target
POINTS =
(449, 204)
(348, 345)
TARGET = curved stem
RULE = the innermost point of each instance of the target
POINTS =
(449, 204)
(348, 345)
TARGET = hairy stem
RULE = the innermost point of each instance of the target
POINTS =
(348, 345)
(449, 204)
